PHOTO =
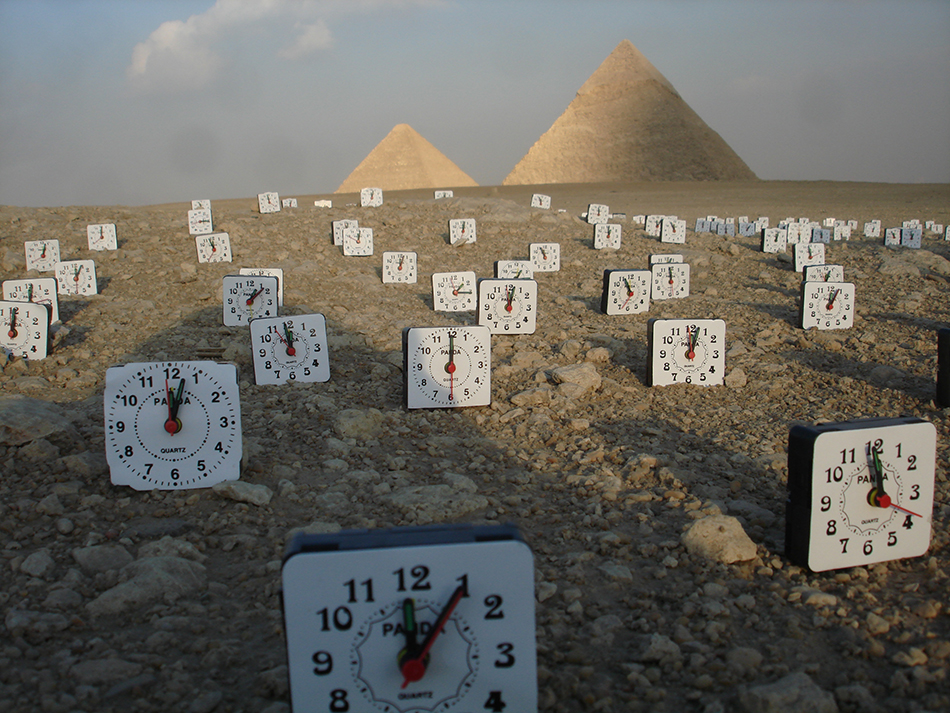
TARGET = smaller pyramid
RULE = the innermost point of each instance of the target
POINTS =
(402, 161)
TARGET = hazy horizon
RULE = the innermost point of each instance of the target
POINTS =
(105, 102)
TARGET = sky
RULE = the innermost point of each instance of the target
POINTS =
(110, 102)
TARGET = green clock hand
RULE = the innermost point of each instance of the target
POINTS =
(410, 629)
(877, 497)
(414, 667)
(173, 424)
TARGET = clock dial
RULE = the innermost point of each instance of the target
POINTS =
(539, 200)
(247, 297)
(545, 257)
(859, 492)
(827, 305)
(823, 273)
(597, 213)
(268, 202)
(774, 240)
(447, 367)
(214, 247)
(686, 351)
(809, 254)
(201, 203)
(292, 348)
(443, 194)
(199, 221)
(508, 306)
(76, 277)
(24, 329)
(339, 226)
(872, 229)
(607, 236)
(453, 291)
(626, 291)
(101, 236)
(400, 267)
(514, 269)
(911, 237)
(273, 271)
(411, 620)
(665, 259)
(41, 255)
(172, 425)
(358, 241)
(40, 290)
(462, 231)
(670, 281)
(672, 231)
(371, 197)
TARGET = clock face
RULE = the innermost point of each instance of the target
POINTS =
(823, 273)
(172, 425)
(399, 267)
(24, 329)
(872, 229)
(911, 237)
(201, 203)
(665, 259)
(508, 306)
(670, 281)
(215, 247)
(809, 254)
(827, 305)
(358, 241)
(444, 194)
(892, 236)
(607, 236)
(539, 200)
(101, 236)
(774, 240)
(360, 608)
(341, 225)
(514, 269)
(199, 221)
(597, 213)
(626, 291)
(274, 271)
(247, 297)
(268, 202)
(545, 257)
(686, 351)
(76, 277)
(41, 255)
(943, 367)
(288, 202)
(371, 197)
(859, 492)
(447, 367)
(673, 231)
(41, 290)
(462, 231)
(290, 349)
(654, 224)
(453, 291)
(820, 235)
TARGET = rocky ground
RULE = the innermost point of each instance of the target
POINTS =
(117, 600)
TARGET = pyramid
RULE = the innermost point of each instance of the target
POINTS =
(404, 160)
(628, 123)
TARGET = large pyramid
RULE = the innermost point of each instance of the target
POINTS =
(628, 123)
(404, 160)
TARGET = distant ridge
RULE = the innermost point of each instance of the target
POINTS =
(405, 160)
(628, 123)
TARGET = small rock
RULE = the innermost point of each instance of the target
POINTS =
(584, 376)
(102, 558)
(108, 670)
(358, 423)
(719, 538)
(736, 379)
(39, 564)
(244, 492)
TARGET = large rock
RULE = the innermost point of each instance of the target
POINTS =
(719, 538)
(796, 693)
(23, 420)
(425, 504)
(102, 558)
(243, 492)
(150, 581)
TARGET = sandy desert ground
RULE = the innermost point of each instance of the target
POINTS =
(602, 482)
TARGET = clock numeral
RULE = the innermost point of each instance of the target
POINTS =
(342, 619)
(832, 527)
(421, 574)
(908, 522)
(508, 660)
(131, 400)
(215, 397)
(145, 381)
(128, 451)
(493, 602)
(844, 545)
(324, 663)
(120, 426)
(892, 538)
(224, 422)
(915, 489)
(868, 547)
(836, 475)
(219, 447)
(367, 586)
(201, 466)
(911, 464)
(494, 702)
(338, 702)
(148, 468)
(463, 580)
(175, 475)
(825, 504)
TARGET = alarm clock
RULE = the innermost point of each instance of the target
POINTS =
(41, 255)
(438, 618)
(213, 247)
(101, 236)
(597, 213)
(172, 425)
(626, 292)
(371, 197)
(545, 257)
(446, 367)
(248, 296)
(462, 231)
(24, 329)
(199, 221)
(76, 277)
(292, 348)
(453, 291)
(400, 267)
(508, 306)
(268, 202)
(670, 280)
(827, 305)
(607, 236)
(275, 271)
(686, 351)
(859, 492)
(41, 290)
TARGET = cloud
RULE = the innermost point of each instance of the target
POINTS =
(187, 55)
